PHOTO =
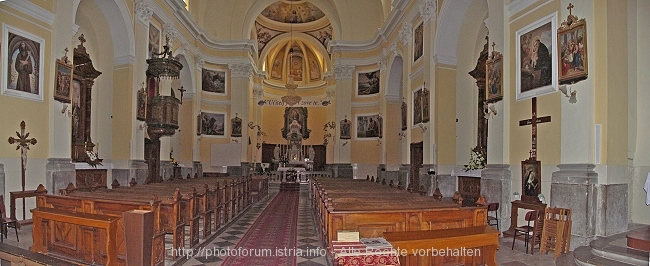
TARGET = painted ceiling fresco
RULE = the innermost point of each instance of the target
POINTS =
(286, 12)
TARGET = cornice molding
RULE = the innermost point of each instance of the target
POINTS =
(517, 6)
(416, 73)
(406, 32)
(143, 12)
(216, 103)
(364, 104)
(393, 99)
(31, 10)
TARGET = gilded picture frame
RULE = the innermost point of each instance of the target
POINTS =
(494, 78)
(346, 128)
(536, 58)
(572, 44)
(23, 68)
(531, 180)
(141, 113)
(62, 81)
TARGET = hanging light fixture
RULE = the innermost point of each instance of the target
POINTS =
(291, 98)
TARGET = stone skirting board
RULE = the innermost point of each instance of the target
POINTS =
(428, 180)
(496, 186)
(574, 187)
(59, 172)
(611, 209)
(340, 170)
(137, 171)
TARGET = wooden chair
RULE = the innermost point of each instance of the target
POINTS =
(528, 230)
(6, 222)
(493, 219)
(556, 234)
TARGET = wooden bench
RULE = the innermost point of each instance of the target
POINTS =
(468, 246)
(74, 235)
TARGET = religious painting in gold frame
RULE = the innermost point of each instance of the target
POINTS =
(346, 126)
(142, 105)
(531, 183)
(63, 81)
(494, 78)
(572, 47)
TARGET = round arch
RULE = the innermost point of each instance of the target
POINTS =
(452, 14)
(121, 26)
(318, 47)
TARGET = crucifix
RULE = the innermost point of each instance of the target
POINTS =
(23, 143)
(533, 123)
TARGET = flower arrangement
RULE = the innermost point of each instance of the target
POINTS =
(476, 162)
(284, 159)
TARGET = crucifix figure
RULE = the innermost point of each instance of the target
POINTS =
(531, 167)
(23, 144)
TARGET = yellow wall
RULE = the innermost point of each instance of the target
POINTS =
(123, 114)
(445, 116)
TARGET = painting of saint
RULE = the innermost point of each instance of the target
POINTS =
(368, 83)
(213, 81)
(212, 124)
(418, 42)
(154, 40)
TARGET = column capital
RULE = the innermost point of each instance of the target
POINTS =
(406, 32)
(241, 70)
(428, 10)
(343, 71)
(143, 13)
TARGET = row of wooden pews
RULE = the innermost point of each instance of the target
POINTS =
(373, 209)
(200, 204)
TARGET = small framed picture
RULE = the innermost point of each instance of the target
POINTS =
(368, 126)
(213, 81)
(345, 129)
(213, 124)
(572, 43)
(536, 59)
(420, 106)
(23, 65)
(154, 40)
(404, 116)
(63, 81)
(367, 83)
(142, 105)
(531, 174)
(494, 74)
(418, 42)
(235, 125)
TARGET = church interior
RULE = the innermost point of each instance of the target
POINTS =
(514, 122)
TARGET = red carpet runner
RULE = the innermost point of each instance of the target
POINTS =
(272, 239)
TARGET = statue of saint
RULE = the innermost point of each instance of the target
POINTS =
(294, 127)
(276, 152)
(312, 153)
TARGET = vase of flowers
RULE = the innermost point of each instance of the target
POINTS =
(476, 162)
(284, 160)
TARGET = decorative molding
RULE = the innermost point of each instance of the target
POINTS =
(383, 59)
(406, 33)
(258, 91)
(343, 71)
(143, 12)
(75, 29)
(31, 10)
(199, 62)
(517, 6)
(123, 60)
(241, 70)
(329, 75)
(331, 92)
(364, 104)
(189, 95)
(216, 103)
(445, 59)
(394, 49)
(416, 73)
(393, 99)
(428, 10)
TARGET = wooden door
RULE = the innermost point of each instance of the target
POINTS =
(416, 164)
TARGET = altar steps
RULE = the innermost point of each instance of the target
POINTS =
(610, 251)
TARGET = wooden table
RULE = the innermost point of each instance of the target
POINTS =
(414, 243)
(514, 213)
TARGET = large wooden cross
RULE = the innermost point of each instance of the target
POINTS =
(533, 121)
(23, 144)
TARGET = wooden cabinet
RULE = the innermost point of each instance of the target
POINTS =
(91, 177)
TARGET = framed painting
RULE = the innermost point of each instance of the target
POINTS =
(417, 107)
(345, 129)
(572, 43)
(494, 75)
(424, 95)
(418, 42)
(404, 115)
(23, 67)
(235, 125)
(536, 59)
(531, 174)
(299, 115)
(368, 126)
(213, 81)
(62, 81)
(141, 112)
(213, 124)
(367, 83)
(154, 40)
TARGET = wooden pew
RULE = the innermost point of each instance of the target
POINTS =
(468, 246)
(74, 206)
